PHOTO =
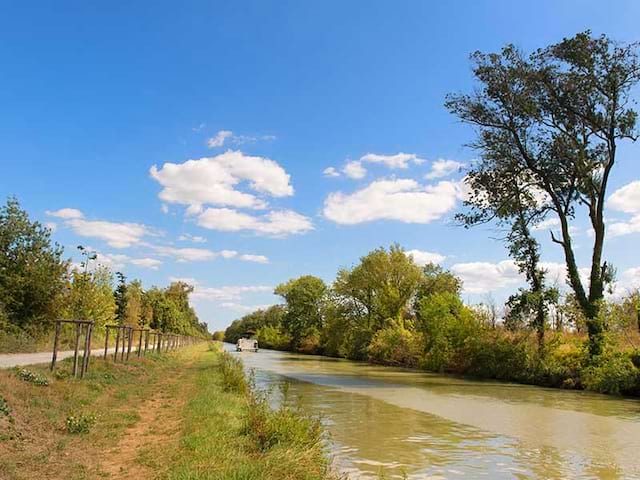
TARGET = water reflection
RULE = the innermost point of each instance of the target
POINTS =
(428, 426)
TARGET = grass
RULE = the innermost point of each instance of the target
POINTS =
(190, 414)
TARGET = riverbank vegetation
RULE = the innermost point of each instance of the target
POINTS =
(548, 126)
(188, 414)
(388, 310)
(38, 285)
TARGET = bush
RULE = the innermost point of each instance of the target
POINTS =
(80, 423)
(614, 373)
(395, 345)
(284, 427)
(32, 377)
(273, 337)
(233, 378)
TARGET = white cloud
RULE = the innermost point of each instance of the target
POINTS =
(66, 213)
(331, 172)
(151, 263)
(443, 168)
(214, 181)
(245, 308)
(628, 281)
(185, 254)
(164, 208)
(547, 224)
(187, 237)
(626, 199)
(52, 226)
(402, 199)
(275, 223)
(219, 139)
(354, 169)
(227, 293)
(247, 257)
(399, 160)
(482, 277)
(422, 257)
(117, 235)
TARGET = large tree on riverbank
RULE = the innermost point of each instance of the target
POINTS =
(554, 118)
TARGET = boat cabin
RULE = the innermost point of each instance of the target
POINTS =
(247, 344)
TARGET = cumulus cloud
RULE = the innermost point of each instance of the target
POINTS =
(117, 235)
(119, 261)
(245, 308)
(355, 168)
(215, 181)
(219, 139)
(151, 263)
(422, 257)
(247, 257)
(275, 223)
(66, 213)
(330, 172)
(483, 277)
(227, 293)
(626, 199)
(547, 224)
(184, 255)
(443, 168)
(403, 200)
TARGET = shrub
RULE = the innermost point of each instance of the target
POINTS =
(271, 336)
(32, 377)
(284, 427)
(614, 373)
(233, 378)
(395, 345)
(80, 423)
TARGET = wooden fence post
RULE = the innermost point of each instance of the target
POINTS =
(106, 340)
(115, 354)
(75, 351)
(56, 339)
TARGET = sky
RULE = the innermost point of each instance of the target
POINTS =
(240, 144)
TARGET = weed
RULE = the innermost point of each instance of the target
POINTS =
(32, 377)
(5, 411)
(80, 423)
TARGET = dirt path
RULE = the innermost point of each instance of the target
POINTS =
(139, 452)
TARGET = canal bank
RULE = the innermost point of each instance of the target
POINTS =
(396, 421)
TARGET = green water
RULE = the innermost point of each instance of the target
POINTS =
(425, 426)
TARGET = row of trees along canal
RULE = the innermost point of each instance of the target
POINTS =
(38, 285)
(548, 126)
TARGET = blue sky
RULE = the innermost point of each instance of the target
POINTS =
(270, 94)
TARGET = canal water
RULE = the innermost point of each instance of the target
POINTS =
(416, 425)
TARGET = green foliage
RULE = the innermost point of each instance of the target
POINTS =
(250, 324)
(272, 336)
(90, 296)
(613, 372)
(305, 297)
(233, 378)
(218, 336)
(80, 423)
(32, 377)
(395, 345)
(32, 272)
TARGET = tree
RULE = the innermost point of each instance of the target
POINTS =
(553, 119)
(304, 297)
(32, 272)
(134, 306)
(381, 286)
(90, 296)
(120, 296)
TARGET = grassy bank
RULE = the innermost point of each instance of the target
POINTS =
(190, 414)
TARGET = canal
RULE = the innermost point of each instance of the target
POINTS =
(417, 425)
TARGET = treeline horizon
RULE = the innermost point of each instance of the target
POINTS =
(39, 285)
(388, 310)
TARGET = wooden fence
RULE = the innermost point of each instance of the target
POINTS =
(147, 341)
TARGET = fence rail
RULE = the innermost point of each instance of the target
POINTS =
(160, 341)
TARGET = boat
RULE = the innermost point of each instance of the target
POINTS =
(247, 345)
